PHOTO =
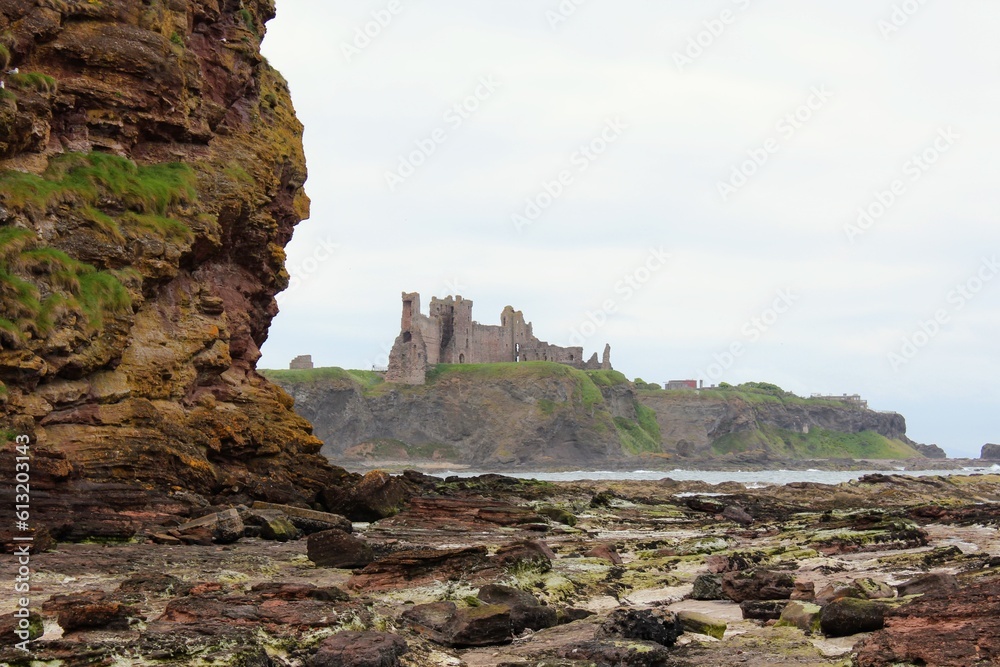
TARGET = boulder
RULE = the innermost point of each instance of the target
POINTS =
(229, 528)
(533, 552)
(309, 521)
(359, 649)
(708, 587)
(763, 610)
(990, 452)
(508, 595)
(90, 610)
(940, 629)
(271, 525)
(701, 624)
(487, 625)
(849, 616)
(377, 495)
(418, 567)
(735, 562)
(558, 515)
(801, 615)
(737, 514)
(861, 589)
(605, 552)
(655, 625)
(757, 584)
(933, 582)
(532, 618)
(10, 626)
(282, 591)
(223, 527)
(335, 548)
(804, 590)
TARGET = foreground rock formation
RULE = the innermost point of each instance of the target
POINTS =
(151, 171)
(545, 414)
(882, 572)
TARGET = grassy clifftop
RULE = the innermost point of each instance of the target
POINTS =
(527, 411)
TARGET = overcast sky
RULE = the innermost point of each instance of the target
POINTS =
(796, 192)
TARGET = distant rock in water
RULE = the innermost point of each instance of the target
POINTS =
(151, 171)
(549, 414)
(990, 452)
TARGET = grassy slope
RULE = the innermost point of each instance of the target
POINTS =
(641, 436)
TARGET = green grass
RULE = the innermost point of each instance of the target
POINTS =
(37, 81)
(77, 178)
(641, 436)
(817, 444)
(4, 57)
(604, 378)
(367, 379)
(546, 406)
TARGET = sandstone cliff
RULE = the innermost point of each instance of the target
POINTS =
(538, 414)
(151, 172)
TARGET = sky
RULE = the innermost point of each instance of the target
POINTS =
(801, 193)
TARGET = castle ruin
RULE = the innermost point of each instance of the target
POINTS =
(448, 335)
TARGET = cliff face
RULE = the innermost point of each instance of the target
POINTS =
(547, 414)
(518, 417)
(151, 172)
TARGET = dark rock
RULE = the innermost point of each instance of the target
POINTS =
(465, 514)
(487, 625)
(228, 528)
(32, 626)
(605, 552)
(359, 649)
(432, 616)
(570, 614)
(378, 495)
(940, 629)
(90, 610)
(708, 587)
(512, 597)
(532, 618)
(281, 591)
(619, 654)
(737, 514)
(849, 616)
(931, 451)
(705, 504)
(533, 552)
(763, 610)
(757, 584)
(735, 562)
(558, 515)
(602, 499)
(272, 525)
(929, 583)
(655, 625)
(335, 548)
(309, 521)
(421, 566)
(990, 452)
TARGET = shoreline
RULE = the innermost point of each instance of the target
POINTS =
(701, 465)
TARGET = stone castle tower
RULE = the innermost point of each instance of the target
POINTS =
(449, 335)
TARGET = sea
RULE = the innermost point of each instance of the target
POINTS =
(750, 478)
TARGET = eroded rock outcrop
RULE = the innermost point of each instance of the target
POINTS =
(151, 172)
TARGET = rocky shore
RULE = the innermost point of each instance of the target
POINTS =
(420, 571)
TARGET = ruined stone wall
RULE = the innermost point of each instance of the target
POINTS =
(449, 335)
